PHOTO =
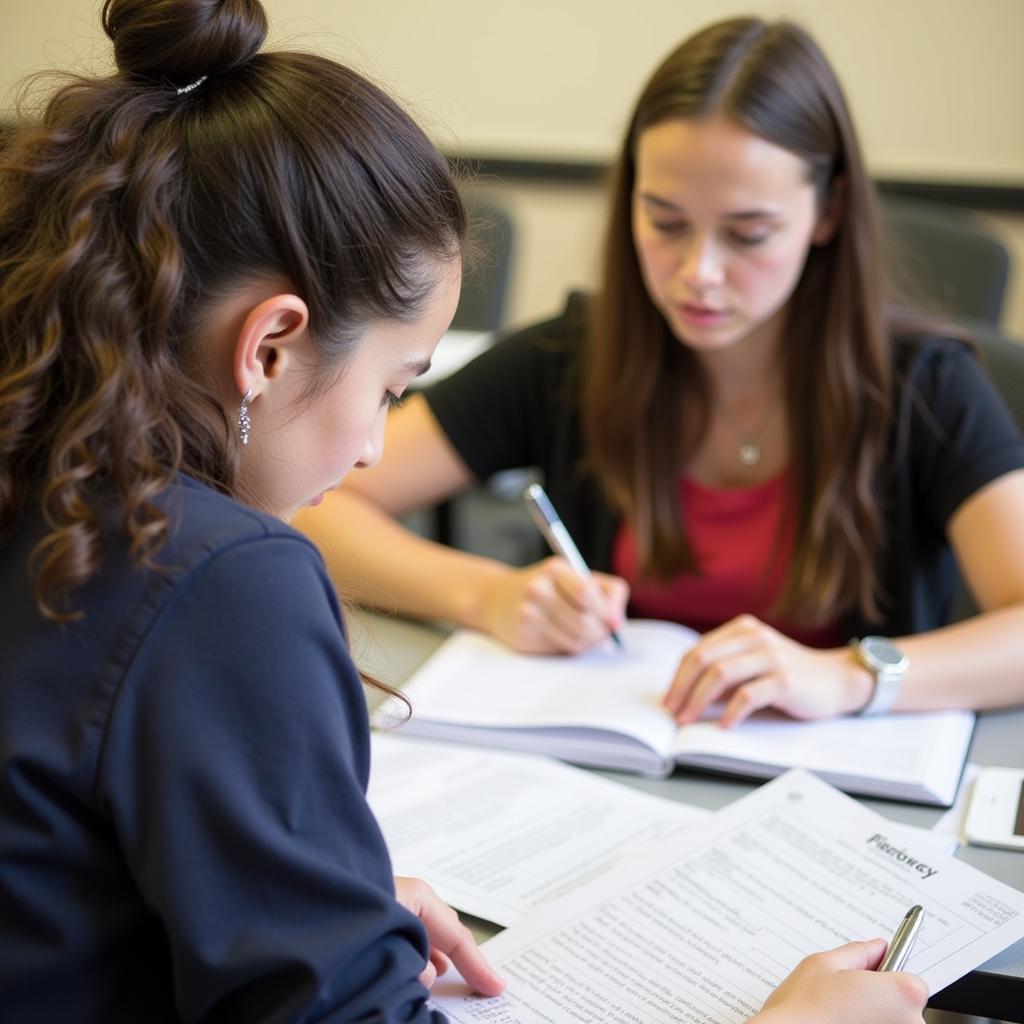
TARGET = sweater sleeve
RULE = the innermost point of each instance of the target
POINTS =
(962, 436)
(234, 771)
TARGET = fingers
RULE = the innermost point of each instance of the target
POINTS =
(745, 700)
(428, 975)
(460, 948)
(548, 608)
(910, 990)
(712, 646)
(866, 956)
(450, 940)
(842, 986)
(589, 596)
(914, 990)
(722, 660)
(616, 597)
(568, 610)
(440, 961)
(576, 612)
(854, 956)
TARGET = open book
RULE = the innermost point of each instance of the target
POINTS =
(602, 709)
(544, 830)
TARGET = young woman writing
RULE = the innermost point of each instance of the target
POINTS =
(740, 429)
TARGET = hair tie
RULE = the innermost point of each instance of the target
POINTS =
(192, 85)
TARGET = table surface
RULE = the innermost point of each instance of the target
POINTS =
(391, 649)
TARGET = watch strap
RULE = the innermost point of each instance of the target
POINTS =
(888, 682)
(888, 677)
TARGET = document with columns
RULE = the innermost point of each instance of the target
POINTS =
(703, 928)
(501, 835)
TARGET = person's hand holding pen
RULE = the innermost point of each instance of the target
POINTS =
(843, 986)
(556, 606)
(546, 608)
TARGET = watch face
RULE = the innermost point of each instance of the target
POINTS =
(881, 650)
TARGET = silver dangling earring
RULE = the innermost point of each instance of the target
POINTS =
(244, 419)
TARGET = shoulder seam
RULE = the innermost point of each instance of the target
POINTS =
(167, 592)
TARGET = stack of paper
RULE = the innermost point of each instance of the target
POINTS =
(626, 907)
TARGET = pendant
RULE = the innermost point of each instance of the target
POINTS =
(749, 453)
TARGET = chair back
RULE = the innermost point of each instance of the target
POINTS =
(486, 273)
(949, 255)
(1003, 360)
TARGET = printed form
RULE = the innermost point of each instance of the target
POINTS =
(703, 928)
(500, 835)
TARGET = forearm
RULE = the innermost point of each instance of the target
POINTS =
(975, 663)
(374, 560)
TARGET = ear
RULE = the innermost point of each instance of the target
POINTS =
(267, 341)
(830, 215)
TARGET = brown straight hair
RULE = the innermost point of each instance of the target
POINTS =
(138, 200)
(645, 400)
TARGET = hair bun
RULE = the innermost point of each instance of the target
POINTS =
(182, 40)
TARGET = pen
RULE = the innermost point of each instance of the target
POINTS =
(899, 949)
(555, 533)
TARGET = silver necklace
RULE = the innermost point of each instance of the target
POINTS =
(749, 453)
(749, 449)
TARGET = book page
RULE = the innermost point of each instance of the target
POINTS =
(704, 928)
(603, 708)
(603, 688)
(923, 752)
(500, 835)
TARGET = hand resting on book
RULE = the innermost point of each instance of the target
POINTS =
(747, 665)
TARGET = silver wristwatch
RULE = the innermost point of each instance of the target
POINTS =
(889, 664)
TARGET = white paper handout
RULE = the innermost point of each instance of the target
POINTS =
(703, 928)
(499, 835)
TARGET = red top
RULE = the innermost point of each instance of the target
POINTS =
(742, 554)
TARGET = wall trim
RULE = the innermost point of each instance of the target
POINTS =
(975, 195)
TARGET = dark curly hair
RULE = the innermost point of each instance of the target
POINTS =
(132, 204)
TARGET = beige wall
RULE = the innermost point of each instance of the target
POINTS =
(936, 86)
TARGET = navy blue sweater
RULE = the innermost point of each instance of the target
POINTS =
(183, 828)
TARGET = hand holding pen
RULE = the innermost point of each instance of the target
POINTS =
(547, 607)
(598, 598)
(843, 986)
